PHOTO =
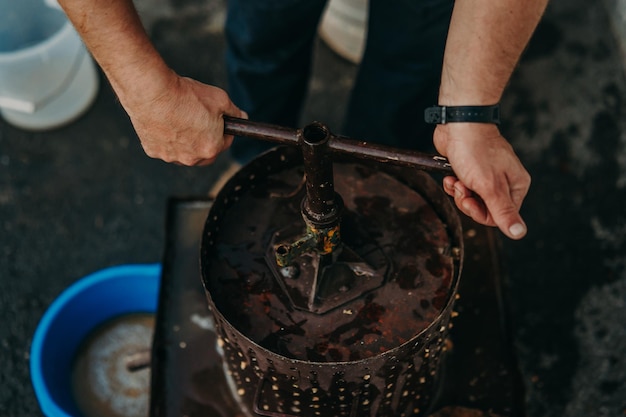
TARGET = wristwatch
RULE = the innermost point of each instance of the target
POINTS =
(467, 114)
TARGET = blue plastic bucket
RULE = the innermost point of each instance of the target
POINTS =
(79, 309)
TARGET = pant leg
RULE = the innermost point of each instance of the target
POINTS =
(269, 55)
(400, 72)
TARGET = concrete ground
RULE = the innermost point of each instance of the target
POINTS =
(85, 197)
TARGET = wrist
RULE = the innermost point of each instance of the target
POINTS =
(462, 114)
(468, 133)
(140, 84)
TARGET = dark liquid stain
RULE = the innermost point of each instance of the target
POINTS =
(382, 214)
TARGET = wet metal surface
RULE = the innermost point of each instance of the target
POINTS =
(366, 346)
(385, 224)
(84, 197)
(188, 376)
(479, 377)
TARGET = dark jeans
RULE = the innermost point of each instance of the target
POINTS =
(269, 61)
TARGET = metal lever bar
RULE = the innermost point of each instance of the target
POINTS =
(339, 145)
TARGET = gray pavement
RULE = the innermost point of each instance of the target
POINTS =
(85, 197)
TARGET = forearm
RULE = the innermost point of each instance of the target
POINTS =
(115, 36)
(485, 41)
(176, 118)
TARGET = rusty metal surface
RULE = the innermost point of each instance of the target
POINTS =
(480, 376)
(378, 353)
(385, 223)
(340, 145)
(481, 372)
(187, 374)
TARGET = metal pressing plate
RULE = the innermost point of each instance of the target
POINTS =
(479, 378)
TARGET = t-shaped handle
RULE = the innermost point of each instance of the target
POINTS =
(339, 145)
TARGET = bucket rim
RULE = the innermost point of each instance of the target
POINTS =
(39, 47)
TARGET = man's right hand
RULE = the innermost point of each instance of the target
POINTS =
(177, 119)
(185, 124)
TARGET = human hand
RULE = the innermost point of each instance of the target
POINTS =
(184, 124)
(491, 182)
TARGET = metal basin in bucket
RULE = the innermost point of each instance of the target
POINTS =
(61, 341)
(374, 351)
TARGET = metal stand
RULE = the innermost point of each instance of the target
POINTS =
(480, 372)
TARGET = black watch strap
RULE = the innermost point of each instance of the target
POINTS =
(471, 114)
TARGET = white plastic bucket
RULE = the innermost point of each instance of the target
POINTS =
(47, 78)
(344, 28)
